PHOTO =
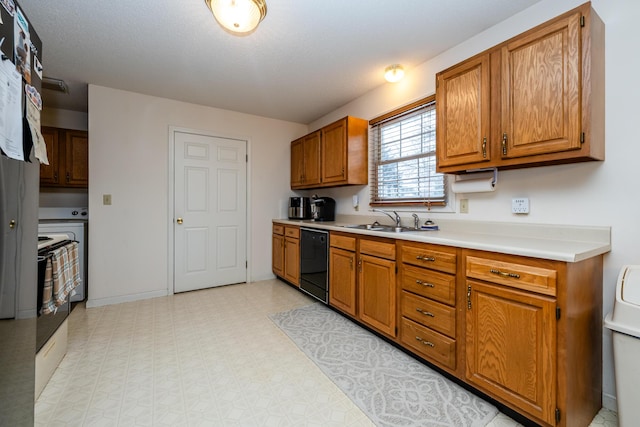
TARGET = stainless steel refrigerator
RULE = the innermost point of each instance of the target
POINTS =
(19, 193)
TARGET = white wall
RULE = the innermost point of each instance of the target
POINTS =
(129, 159)
(65, 119)
(598, 193)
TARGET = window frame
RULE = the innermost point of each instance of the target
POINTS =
(375, 126)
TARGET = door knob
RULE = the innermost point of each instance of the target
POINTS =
(179, 220)
(12, 223)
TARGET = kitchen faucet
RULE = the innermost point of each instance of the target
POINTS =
(396, 219)
(416, 221)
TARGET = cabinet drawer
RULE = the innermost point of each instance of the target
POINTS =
(439, 317)
(434, 257)
(377, 248)
(343, 242)
(429, 283)
(292, 232)
(278, 229)
(429, 344)
(520, 276)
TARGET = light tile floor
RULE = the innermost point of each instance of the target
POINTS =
(205, 358)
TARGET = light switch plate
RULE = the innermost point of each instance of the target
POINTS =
(464, 205)
(106, 199)
(520, 205)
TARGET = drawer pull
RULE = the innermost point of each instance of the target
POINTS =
(504, 274)
(425, 258)
(426, 313)
(420, 282)
(425, 342)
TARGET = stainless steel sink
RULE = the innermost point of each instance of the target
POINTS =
(380, 227)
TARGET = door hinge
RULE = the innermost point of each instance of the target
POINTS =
(396, 269)
(246, 158)
(582, 21)
(557, 313)
(246, 264)
(582, 138)
(557, 415)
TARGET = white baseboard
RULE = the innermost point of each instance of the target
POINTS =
(609, 401)
(262, 277)
(125, 298)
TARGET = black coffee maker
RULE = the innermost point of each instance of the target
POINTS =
(323, 208)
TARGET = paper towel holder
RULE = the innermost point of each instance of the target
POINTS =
(469, 176)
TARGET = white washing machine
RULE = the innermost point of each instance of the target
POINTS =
(72, 222)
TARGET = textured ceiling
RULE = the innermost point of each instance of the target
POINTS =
(307, 57)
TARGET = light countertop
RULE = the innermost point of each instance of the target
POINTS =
(554, 242)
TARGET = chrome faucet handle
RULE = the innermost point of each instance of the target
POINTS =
(416, 221)
(397, 218)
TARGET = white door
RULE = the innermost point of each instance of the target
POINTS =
(210, 211)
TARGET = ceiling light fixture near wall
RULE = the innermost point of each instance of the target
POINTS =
(239, 17)
(394, 73)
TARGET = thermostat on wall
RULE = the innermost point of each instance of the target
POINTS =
(520, 205)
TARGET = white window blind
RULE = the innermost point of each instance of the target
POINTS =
(403, 167)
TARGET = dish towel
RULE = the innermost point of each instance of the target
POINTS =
(62, 275)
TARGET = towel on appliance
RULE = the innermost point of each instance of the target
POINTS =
(62, 275)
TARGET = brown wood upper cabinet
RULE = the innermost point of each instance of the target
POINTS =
(305, 161)
(68, 154)
(536, 99)
(332, 156)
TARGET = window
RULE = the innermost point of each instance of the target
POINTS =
(403, 167)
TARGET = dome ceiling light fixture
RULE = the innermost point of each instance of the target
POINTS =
(394, 73)
(239, 17)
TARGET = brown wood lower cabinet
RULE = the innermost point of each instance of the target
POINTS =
(534, 334)
(277, 250)
(285, 258)
(377, 293)
(524, 331)
(342, 273)
(428, 343)
(511, 351)
(377, 285)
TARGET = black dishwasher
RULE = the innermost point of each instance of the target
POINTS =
(314, 263)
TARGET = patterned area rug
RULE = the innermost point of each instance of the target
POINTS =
(389, 386)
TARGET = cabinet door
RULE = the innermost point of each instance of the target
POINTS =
(297, 163)
(342, 280)
(511, 347)
(334, 152)
(377, 293)
(292, 260)
(312, 159)
(50, 174)
(541, 91)
(277, 254)
(462, 112)
(77, 158)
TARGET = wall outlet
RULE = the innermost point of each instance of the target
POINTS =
(464, 205)
(520, 205)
